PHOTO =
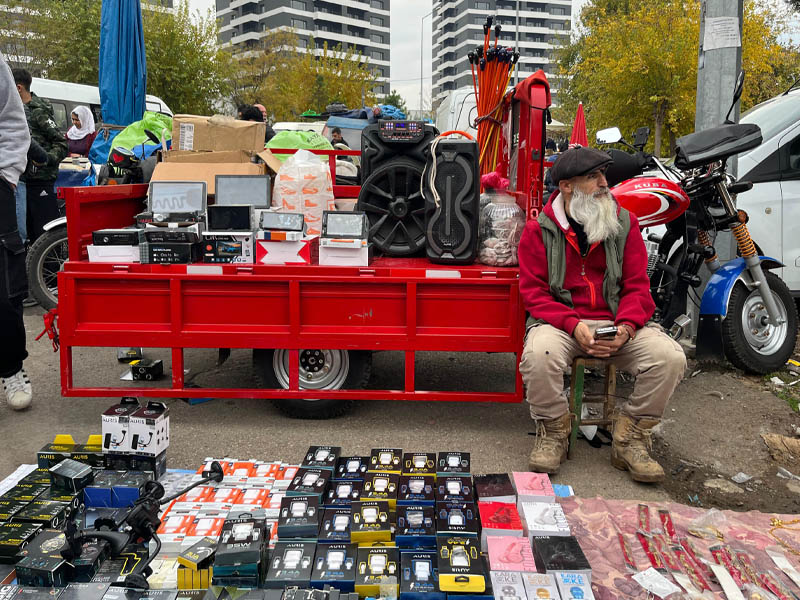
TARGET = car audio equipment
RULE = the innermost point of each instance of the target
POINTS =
(451, 187)
(392, 161)
(254, 190)
(229, 217)
(116, 237)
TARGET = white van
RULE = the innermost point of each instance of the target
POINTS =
(66, 96)
(458, 111)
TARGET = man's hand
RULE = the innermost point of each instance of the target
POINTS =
(583, 335)
(618, 342)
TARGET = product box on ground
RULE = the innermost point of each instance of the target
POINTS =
(40, 475)
(350, 468)
(93, 553)
(123, 593)
(116, 425)
(386, 460)
(134, 462)
(116, 489)
(495, 487)
(419, 463)
(14, 537)
(560, 554)
(91, 452)
(46, 513)
(189, 579)
(291, 564)
(499, 518)
(322, 457)
(242, 542)
(335, 525)
(145, 369)
(416, 489)
(453, 463)
(113, 254)
(149, 429)
(381, 486)
(533, 487)
(540, 585)
(25, 492)
(574, 586)
(460, 567)
(84, 591)
(299, 517)
(457, 518)
(300, 252)
(70, 475)
(200, 555)
(41, 563)
(115, 570)
(335, 565)
(454, 488)
(378, 569)
(10, 507)
(370, 522)
(416, 527)
(544, 518)
(343, 493)
(37, 593)
(216, 133)
(419, 576)
(309, 482)
(508, 585)
(510, 554)
(61, 448)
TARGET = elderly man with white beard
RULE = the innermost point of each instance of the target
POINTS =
(583, 265)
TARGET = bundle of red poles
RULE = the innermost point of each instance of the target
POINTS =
(492, 68)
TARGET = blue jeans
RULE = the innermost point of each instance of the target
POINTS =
(22, 212)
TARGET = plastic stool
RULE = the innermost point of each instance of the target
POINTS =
(576, 395)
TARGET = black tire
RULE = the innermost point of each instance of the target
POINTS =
(750, 344)
(45, 259)
(359, 367)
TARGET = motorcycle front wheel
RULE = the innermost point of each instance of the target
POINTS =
(45, 260)
(751, 342)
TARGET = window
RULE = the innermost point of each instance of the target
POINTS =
(299, 24)
(535, 23)
(556, 26)
(482, 6)
(376, 37)
(298, 4)
(376, 21)
(377, 54)
(302, 43)
(558, 10)
(60, 116)
(376, 4)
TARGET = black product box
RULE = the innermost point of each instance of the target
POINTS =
(46, 513)
(458, 518)
(91, 454)
(386, 460)
(419, 576)
(454, 488)
(204, 595)
(10, 507)
(381, 486)
(37, 593)
(453, 463)
(495, 487)
(351, 467)
(170, 253)
(343, 493)
(460, 565)
(84, 591)
(291, 564)
(309, 481)
(93, 553)
(335, 525)
(85, 518)
(123, 593)
(25, 492)
(54, 453)
(419, 463)
(416, 489)
(116, 237)
(146, 369)
(370, 522)
(299, 517)
(73, 499)
(117, 569)
(322, 457)
(416, 527)
(560, 554)
(38, 475)
(242, 542)
(13, 538)
(377, 567)
(200, 555)
(134, 462)
(335, 565)
(161, 235)
(70, 475)
(43, 571)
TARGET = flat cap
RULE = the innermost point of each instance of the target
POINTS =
(578, 161)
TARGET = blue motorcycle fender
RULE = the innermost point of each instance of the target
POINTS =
(719, 287)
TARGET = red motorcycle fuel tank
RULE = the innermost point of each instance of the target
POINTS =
(653, 200)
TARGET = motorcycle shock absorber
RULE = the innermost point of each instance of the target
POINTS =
(743, 240)
(704, 239)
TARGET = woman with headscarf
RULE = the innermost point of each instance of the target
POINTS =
(81, 135)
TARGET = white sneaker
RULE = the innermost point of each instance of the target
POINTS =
(18, 390)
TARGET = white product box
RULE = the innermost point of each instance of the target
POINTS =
(345, 257)
(540, 585)
(116, 425)
(574, 586)
(302, 252)
(508, 585)
(113, 254)
(149, 429)
(544, 518)
(232, 247)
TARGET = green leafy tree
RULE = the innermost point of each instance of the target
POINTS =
(395, 99)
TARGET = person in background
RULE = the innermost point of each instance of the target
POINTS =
(14, 143)
(549, 186)
(336, 137)
(248, 112)
(81, 135)
(263, 110)
(37, 157)
(42, 205)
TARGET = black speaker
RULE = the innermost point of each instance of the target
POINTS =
(392, 160)
(451, 186)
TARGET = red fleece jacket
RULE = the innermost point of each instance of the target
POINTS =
(583, 279)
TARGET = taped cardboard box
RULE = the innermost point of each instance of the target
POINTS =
(194, 132)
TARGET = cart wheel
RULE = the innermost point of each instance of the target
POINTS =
(319, 370)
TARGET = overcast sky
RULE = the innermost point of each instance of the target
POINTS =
(407, 26)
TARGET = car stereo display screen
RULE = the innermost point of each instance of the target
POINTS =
(177, 197)
(243, 189)
(229, 218)
(339, 224)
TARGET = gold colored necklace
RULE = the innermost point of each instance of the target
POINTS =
(778, 524)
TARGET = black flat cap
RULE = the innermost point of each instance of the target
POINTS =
(578, 161)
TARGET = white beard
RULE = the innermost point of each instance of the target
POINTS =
(596, 212)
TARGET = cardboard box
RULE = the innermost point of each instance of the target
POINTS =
(84, 591)
(509, 585)
(457, 518)
(381, 486)
(310, 482)
(454, 488)
(453, 463)
(116, 426)
(303, 252)
(189, 171)
(299, 517)
(322, 457)
(194, 132)
(191, 156)
(370, 522)
(537, 585)
(345, 257)
(149, 429)
(386, 460)
(70, 475)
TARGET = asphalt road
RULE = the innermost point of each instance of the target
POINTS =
(496, 435)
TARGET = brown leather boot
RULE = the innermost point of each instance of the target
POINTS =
(630, 450)
(550, 449)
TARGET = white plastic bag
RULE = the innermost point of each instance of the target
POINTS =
(304, 185)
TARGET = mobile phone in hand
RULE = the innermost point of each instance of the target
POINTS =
(605, 333)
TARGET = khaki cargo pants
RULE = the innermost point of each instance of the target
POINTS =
(655, 359)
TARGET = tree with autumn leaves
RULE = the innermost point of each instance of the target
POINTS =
(634, 63)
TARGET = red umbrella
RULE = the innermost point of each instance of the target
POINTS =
(579, 128)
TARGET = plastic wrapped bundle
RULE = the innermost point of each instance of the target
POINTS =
(501, 225)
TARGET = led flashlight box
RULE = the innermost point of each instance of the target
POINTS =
(370, 522)
(416, 489)
(40, 475)
(419, 463)
(14, 537)
(386, 460)
(70, 475)
(309, 482)
(381, 486)
(291, 564)
(335, 565)
(343, 493)
(454, 488)
(377, 567)
(46, 513)
(416, 527)
(460, 567)
(419, 576)
(25, 492)
(350, 468)
(322, 457)
(453, 463)
(299, 517)
(10, 507)
(116, 426)
(335, 526)
(149, 429)
(457, 518)
(84, 591)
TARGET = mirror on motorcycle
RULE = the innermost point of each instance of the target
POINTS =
(640, 137)
(152, 136)
(612, 135)
(737, 94)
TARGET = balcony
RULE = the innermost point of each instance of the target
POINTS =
(245, 19)
(246, 37)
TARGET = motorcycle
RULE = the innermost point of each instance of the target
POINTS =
(47, 255)
(746, 313)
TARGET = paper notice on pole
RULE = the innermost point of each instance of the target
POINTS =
(721, 32)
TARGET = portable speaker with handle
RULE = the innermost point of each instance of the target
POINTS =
(452, 192)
